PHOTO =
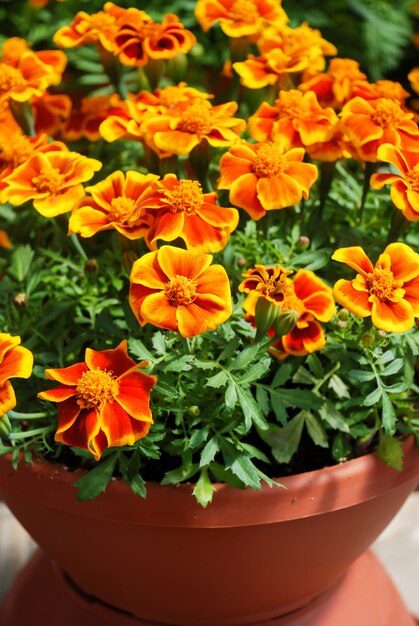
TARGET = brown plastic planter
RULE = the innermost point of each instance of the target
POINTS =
(250, 556)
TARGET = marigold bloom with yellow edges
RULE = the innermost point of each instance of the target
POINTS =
(295, 120)
(404, 186)
(102, 402)
(239, 18)
(138, 40)
(313, 301)
(15, 47)
(50, 113)
(178, 131)
(25, 79)
(15, 362)
(53, 180)
(179, 208)
(390, 89)
(263, 177)
(265, 281)
(99, 28)
(269, 69)
(388, 291)
(86, 118)
(4, 240)
(334, 87)
(117, 202)
(413, 77)
(180, 290)
(369, 124)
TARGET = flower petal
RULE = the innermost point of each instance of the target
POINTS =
(119, 428)
(393, 317)
(7, 398)
(174, 261)
(17, 363)
(355, 301)
(404, 261)
(116, 361)
(156, 310)
(133, 396)
(355, 257)
(67, 375)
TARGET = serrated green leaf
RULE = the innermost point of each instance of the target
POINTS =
(300, 398)
(251, 409)
(218, 380)
(209, 452)
(278, 407)
(159, 343)
(284, 441)
(198, 437)
(303, 377)
(20, 262)
(361, 376)
(341, 450)
(388, 416)
(373, 397)
(204, 489)
(339, 387)
(332, 416)
(386, 357)
(179, 364)
(139, 350)
(315, 366)
(282, 375)
(262, 398)
(256, 372)
(391, 452)
(180, 474)
(230, 397)
(96, 481)
(315, 430)
(244, 358)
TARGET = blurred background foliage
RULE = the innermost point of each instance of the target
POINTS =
(377, 33)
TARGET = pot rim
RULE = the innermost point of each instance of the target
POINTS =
(302, 495)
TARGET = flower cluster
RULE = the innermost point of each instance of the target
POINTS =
(200, 220)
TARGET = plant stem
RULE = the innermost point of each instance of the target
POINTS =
(25, 416)
(397, 227)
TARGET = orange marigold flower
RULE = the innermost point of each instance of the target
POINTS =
(389, 292)
(139, 39)
(27, 78)
(295, 120)
(102, 402)
(179, 130)
(53, 180)
(269, 69)
(50, 111)
(369, 124)
(15, 47)
(15, 362)
(239, 18)
(404, 186)
(413, 77)
(262, 177)
(267, 282)
(178, 290)
(312, 300)
(4, 240)
(85, 120)
(179, 208)
(118, 202)
(334, 87)
(97, 28)
(381, 89)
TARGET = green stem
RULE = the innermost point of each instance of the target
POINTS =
(76, 243)
(369, 170)
(327, 172)
(199, 159)
(22, 113)
(45, 430)
(114, 70)
(397, 227)
(154, 72)
(26, 416)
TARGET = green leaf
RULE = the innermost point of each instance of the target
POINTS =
(218, 380)
(315, 365)
(251, 409)
(96, 481)
(159, 343)
(180, 474)
(300, 398)
(341, 450)
(198, 437)
(361, 376)
(315, 430)
(20, 262)
(391, 451)
(373, 397)
(278, 407)
(282, 375)
(240, 465)
(209, 452)
(257, 371)
(284, 441)
(392, 368)
(339, 387)
(231, 395)
(262, 398)
(333, 417)
(303, 377)
(388, 417)
(204, 489)
(179, 364)
(245, 357)
(139, 350)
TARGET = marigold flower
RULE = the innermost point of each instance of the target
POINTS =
(404, 186)
(85, 120)
(239, 18)
(179, 208)
(178, 131)
(413, 77)
(369, 124)
(178, 290)
(118, 202)
(50, 112)
(15, 362)
(103, 402)
(27, 78)
(267, 282)
(139, 39)
(4, 240)
(262, 177)
(15, 47)
(53, 180)
(98, 28)
(295, 120)
(381, 89)
(312, 300)
(387, 292)
(334, 87)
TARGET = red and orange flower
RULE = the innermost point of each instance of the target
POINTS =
(85, 119)
(103, 402)
(97, 28)
(180, 290)
(262, 177)
(334, 87)
(388, 291)
(15, 362)
(26, 78)
(4, 240)
(53, 180)
(179, 208)
(15, 47)
(118, 202)
(239, 18)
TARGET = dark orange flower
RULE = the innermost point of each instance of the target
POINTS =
(15, 362)
(53, 180)
(295, 120)
(103, 402)
(413, 77)
(178, 131)
(27, 78)
(139, 39)
(15, 47)
(369, 124)
(178, 290)
(267, 282)
(381, 89)
(334, 87)
(312, 300)
(98, 28)
(269, 69)
(239, 18)
(404, 186)
(388, 292)
(116, 203)
(179, 208)
(4, 240)
(262, 177)
(85, 120)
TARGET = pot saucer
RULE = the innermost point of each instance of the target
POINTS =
(365, 596)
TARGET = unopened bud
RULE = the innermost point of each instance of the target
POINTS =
(343, 314)
(194, 410)
(176, 68)
(342, 324)
(367, 340)
(382, 333)
(266, 315)
(5, 426)
(91, 266)
(20, 300)
(241, 261)
(286, 322)
(304, 241)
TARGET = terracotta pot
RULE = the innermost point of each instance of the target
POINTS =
(250, 556)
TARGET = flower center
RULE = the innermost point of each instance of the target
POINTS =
(100, 21)
(95, 388)
(387, 113)
(48, 181)
(180, 290)
(244, 11)
(10, 77)
(121, 209)
(269, 161)
(412, 178)
(381, 282)
(196, 118)
(186, 197)
(292, 301)
(269, 282)
(17, 150)
(292, 105)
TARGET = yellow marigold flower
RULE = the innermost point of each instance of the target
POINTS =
(239, 18)
(118, 202)
(180, 290)
(53, 180)
(15, 362)
(334, 87)
(27, 78)
(97, 28)
(179, 208)
(4, 240)
(262, 177)
(404, 186)
(388, 291)
(369, 124)
(381, 89)
(413, 77)
(295, 120)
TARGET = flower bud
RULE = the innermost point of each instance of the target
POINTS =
(343, 314)
(241, 261)
(194, 411)
(286, 322)
(382, 333)
(304, 241)
(342, 324)
(20, 300)
(266, 315)
(367, 340)
(5, 426)
(91, 266)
